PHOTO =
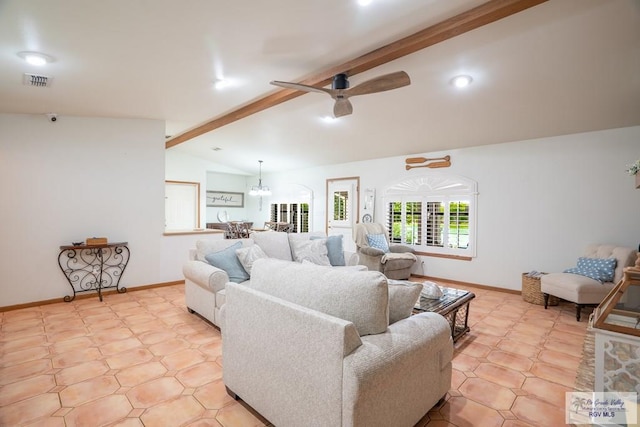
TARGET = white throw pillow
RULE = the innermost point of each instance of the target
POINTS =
(402, 299)
(248, 255)
(310, 250)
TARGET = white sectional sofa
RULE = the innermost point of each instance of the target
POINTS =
(205, 284)
(306, 345)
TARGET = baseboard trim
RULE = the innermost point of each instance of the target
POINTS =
(88, 295)
(473, 285)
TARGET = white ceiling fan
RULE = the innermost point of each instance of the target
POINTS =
(341, 92)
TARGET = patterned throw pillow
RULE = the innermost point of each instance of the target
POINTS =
(378, 241)
(248, 255)
(606, 266)
(314, 251)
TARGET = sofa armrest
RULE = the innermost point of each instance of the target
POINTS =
(400, 249)
(394, 378)
(277, 352)
(205, 275)
(351, 258)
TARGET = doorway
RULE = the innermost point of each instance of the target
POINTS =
(343, 209)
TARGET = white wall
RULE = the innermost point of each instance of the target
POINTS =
(540, 202)
(76, 178)
(228, 182)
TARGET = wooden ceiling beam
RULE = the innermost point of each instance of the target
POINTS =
(477, 17)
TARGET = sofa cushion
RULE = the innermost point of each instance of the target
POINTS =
(310, 250)
(360, 297)
(592, 273)
(248, 255)
(575, 288)
(402, 299)
(228, 261)
(335, 249)
(378, 241)
(275, 244)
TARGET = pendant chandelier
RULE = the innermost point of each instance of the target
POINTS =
(260, 190)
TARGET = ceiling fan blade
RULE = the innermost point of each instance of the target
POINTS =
(342, 107)
(381, 84)
(300, 86)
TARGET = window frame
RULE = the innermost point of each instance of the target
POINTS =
(428, 188)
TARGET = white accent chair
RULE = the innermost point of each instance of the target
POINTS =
(584, 291)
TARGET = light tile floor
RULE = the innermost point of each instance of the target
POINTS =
(139, 359)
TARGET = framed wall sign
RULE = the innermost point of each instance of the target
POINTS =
(225, 199)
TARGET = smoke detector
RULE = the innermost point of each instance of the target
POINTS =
(37, 80)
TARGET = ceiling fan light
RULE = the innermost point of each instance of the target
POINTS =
(461, 81)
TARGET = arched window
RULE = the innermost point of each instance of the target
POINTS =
(434, 213)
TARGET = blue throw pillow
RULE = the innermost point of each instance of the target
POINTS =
(227, 260)
(378, 241)
(334, 249)
(607, 266)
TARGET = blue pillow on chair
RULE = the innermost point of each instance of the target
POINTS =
(227, 260)
(606, 266)
(378, 241)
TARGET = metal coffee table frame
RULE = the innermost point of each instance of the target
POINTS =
(453, 305)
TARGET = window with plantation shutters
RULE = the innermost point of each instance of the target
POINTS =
(433, 213)
(291, 204)
(404, 222)
(434, 224)
(293, 213)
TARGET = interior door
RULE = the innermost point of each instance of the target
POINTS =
(343, 208)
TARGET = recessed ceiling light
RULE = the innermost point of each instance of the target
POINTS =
(220, 84)
(35, 58)
(461, 81)
(364, 2)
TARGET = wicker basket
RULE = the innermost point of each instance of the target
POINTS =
(531, 291)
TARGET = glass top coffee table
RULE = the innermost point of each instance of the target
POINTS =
(453, 305)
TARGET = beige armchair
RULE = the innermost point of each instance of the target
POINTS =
(395, 263)
(582, 290)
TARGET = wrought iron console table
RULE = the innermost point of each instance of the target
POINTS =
(93, 267)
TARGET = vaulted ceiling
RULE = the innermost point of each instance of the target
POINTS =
(560, 67)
